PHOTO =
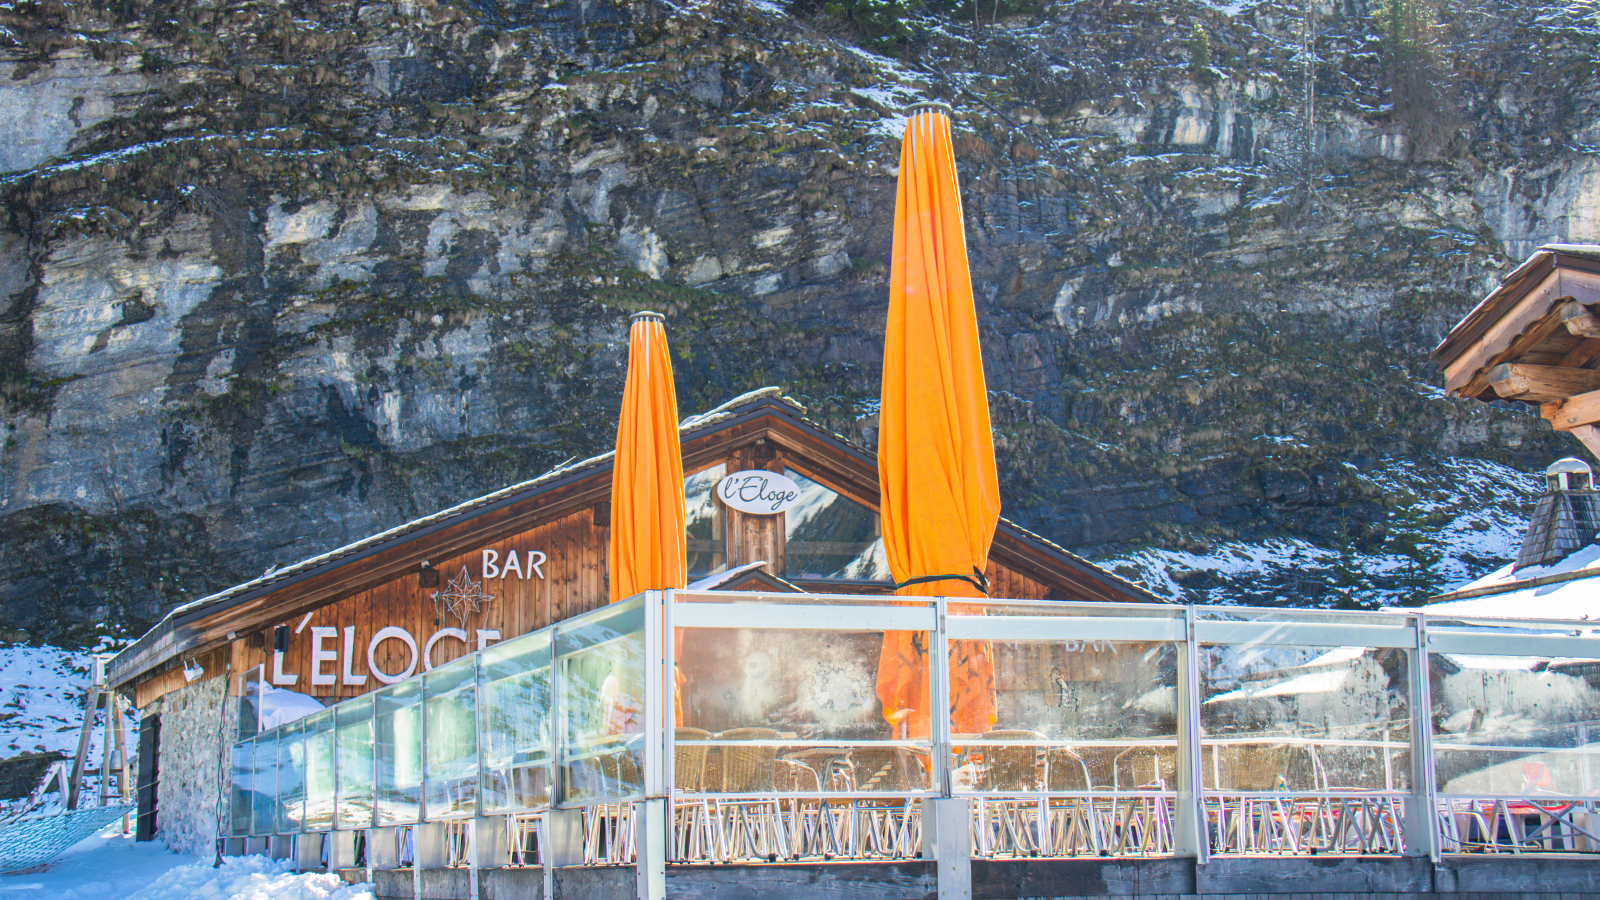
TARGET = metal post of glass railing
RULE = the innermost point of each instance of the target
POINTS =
(946, 820)
(650, 824)
(939, 678)
(1422, 805)
(1189, 837)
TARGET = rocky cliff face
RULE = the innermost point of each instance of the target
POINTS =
(279, 275)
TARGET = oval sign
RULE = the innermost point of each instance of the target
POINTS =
(757, 492)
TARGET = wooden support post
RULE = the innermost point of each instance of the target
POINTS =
(105, 748)
(91, 700)
(124, 778)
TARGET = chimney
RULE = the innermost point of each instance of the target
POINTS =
(1567, 517)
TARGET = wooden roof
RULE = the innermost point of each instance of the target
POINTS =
(1535, 339)
(282, 594)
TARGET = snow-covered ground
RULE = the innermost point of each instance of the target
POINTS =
(41, 699)
(112, 866)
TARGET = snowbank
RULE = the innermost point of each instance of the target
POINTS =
(113, 867)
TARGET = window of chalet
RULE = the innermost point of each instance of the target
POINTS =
(829, 536)
(708, 553)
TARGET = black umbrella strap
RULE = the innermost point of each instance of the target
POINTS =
(976, 579)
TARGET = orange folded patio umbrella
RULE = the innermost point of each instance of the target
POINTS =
(648, 537)
(940, 491)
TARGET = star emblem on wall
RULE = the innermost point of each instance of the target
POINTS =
(462, 597)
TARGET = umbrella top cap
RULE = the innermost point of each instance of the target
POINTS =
(646, 316)
(931, 105)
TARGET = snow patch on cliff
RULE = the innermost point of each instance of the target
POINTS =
(1446, 524)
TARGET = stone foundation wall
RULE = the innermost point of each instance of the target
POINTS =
(193, 719)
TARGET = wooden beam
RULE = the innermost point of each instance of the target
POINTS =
(1574, 411)
(1580, 285)
(1580, 321)
(1590, 436)
(1581, 355)
(1519, 329)
(1516, 381)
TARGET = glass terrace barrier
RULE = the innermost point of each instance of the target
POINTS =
(759, 721)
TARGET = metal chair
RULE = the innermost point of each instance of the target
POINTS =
(1021, 825)
(692, 835)
(753, 829)
(1143, 822)
(886, 827)
(1065, 770)
(747, 769)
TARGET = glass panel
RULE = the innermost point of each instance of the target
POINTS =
(831, 536)
(703, 516)
(1276, 717)
(353, 778)
(450, 740)
(291, 779)
(1070, 715)
(242, 789)
(264, 784)
(602, 702)
(280, 706)
(1518, 726)
(797, 710)
(514, 711)
(318, 742)
(250, 704)
(397, 753)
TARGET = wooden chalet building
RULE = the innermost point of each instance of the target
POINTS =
(412, 598)
(1536, 339)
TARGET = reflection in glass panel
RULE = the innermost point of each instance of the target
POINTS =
(264, 784)
(242, 789)
(450, 742)
(773, 700)
(250, 703)
(1304, 718)
(1517, 726)
(318, 743)
(703, 516)
(602, 701)
(831, 536)
(353, 775)
(1076, 715)
(291, 779)
(514, 714)
(397, 753)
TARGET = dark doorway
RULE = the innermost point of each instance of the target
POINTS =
(149, 777)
